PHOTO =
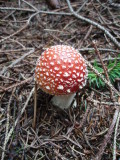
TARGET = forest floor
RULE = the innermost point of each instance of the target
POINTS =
(89, 131)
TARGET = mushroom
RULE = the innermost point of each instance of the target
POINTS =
(61, 71)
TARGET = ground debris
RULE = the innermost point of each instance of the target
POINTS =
(76, 133)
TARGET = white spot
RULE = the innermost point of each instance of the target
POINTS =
(81, 75)
(61, 80)
(81, 68)
(51, 70)
(74, 76)
(47, 74)
(79, 80)
(52, 63)
(41, 75)
(54, 57)
(80, 87)
(47, 66)
(56, 79)
(47, 87)
(44, 77)
(78, 74)
(56, 68)
(70, 79)
(77, 67)
(63, 66)
(60, 72)
(68, 90)
(51, 52)
(69, 60)
(47, 52)
(44, 69)
(74, 71)
(70, 66)
(58, 62)
(40, 83)
(60, 87)
(57, 75)
(66, 74)
(68, 82)
(50, 58)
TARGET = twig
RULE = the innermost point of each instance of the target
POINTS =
(86, 113)
(115, 137)
(16, 61)
(30, 5)
(96, 102)
(17, 84)
(115, 134)
(11, 79)
(22, 111)
(21, 29)
(16, 50)
(81, 7)
(113, 39)
(100, 49)
(35, 106)
(106, 59)
(72, 141)
(11, 35)
(13, 40)
(31, 10)
(7, 125)
(86, 36)
(104, 68)
(17, 9)
(108, 136)
(101, 76)
(117, 5)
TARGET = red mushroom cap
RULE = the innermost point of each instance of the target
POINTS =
(61, 70)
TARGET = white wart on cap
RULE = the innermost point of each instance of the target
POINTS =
(61, 70)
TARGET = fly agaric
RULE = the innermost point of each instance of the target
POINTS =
(61, 71)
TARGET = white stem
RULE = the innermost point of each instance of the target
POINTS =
(63, 101)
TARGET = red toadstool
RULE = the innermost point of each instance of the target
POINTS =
(61, 71)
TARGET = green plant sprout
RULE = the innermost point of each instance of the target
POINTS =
(113, 69)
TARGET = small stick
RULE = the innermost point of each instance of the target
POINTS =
(104, 79)
(113, 39)
(22, 111)
(17, 61)
(7, 124)
(16, 84)
(86, 113)
(104, 68)
(115, 134)
(35, 106)
(107, 136)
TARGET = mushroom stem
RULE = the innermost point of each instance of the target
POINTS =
(63, 101)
